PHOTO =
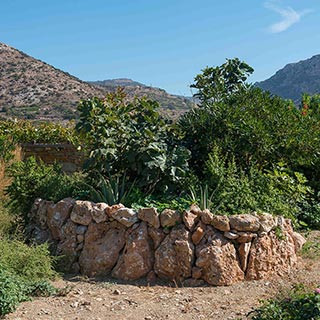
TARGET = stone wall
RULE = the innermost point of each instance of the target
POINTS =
(63, 153)
(193, 247)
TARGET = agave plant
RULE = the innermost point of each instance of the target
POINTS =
(204, 198)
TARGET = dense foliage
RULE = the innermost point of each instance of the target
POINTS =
(298, 305)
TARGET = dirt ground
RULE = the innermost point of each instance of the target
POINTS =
(83, 299)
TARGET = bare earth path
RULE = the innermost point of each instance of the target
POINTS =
(87, 300)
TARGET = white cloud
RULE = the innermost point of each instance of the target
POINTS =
(289, 17)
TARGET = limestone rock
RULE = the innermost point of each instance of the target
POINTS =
(170, 218)
(125, 216)
(221, 223)
(150, 215)
(38, 213)
(196, 273)
(267, 222)
(244, 250)
(246, 237)
(82, 212)
(110, 210)
(299, 241)
(244, 222)
(195, 210)
(57, 214)
(157, 236)
(99, 213)
(217, 258)
(193, 283)
(206, 217)
(174, 257)
(270, 255)
(198, 233)
(137, 258)
(232, 235)
(102, 246)
(189, 219)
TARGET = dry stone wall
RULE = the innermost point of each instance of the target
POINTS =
(193, 247)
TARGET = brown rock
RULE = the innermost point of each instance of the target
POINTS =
(99, 213)
(196, 273)
(198, 233)
(189, 219)
(244, 250)
(195, 210)
(157, 236)
(267, 222)
(299, 241)
(270, 255)
(221, 223)
(170, 218)
(38, 213)
(82, 212)
(217, 258)
(206, 217)
(110, 210)
(151, 277)
(101, 249)
(137, 258)
(125, 216)
(174, 257)
(246, 237)
(193, 283)
(244, 222)
(150, 215)
(57, 214)
(232, 235)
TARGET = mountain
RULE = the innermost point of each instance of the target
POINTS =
(172, 105)
(30, 88)
(295, 79)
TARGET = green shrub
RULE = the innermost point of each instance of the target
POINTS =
(32, 179)
(31, 263)
(299, 305)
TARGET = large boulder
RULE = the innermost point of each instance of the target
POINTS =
(175, 256)
(82, 212)
(217, 259)
(244, 222)
(102, 245)
(57, 215)
(137, 258)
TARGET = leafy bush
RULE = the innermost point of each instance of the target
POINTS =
(131, 138)
(6, 222)
(32, 179)
(299, 305)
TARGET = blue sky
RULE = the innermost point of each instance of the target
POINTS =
(163, 43)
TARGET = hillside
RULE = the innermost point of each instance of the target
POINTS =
(172, 105)
(295, 79)
(30, 88)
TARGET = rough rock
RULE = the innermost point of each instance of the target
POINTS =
(150, 215)
(157, 236)
(174, 257)
(125, 216)
(267, 222)
(196, 273)
(232, 235)
(246, 237)
(82, 229)
(189, 219)
(170, 218)
(193, 283)
(299, 241)
(110, 210)
(38, 213)
(151, 277)
(244, 222)
(99, 213)
(221, 223)
(137, 258)
(217, 258)
(198, 233)
(195, 210)
(244, 251)
(270, 255)
(102, 246)
(82, 212)
(57, 215)
(206, 217)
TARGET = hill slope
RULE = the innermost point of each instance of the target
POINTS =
(295, 79)
(30, 88)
